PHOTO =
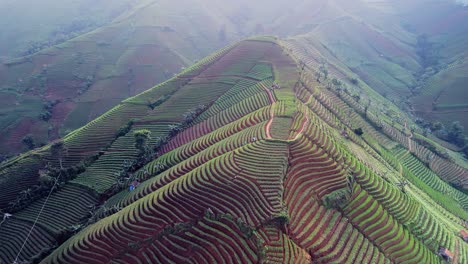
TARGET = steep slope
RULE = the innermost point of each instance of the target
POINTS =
(266, 167)
(374, 50)
(57, 90)
(412, 52)
(27, 26)
(180, 96)
(442, 96)
(47, 95)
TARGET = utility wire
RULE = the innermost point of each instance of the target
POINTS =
(37, 218)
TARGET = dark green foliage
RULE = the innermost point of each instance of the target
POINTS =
(62, 34)
(148, 153)
(174, 229)
(45, 116)
(336, 82)
(57, 148)
(338, 85)
(85, 84)
(48, 106)
(142, 137)
(50, 179)
(175, 129)
(42, 254)
(358, 131)
(455, 134)
(281, 219)
(324, 70)
(158, 102)
(124, 129)
(366, 107)
(28, 140)
(465, 151)
(318, 75)
(357, 97)
(190, 115)
(336, 199)
(436, 126)
(246, 230)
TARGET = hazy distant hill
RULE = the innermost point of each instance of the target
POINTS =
(443, 95)
(28, 24)
(413, 53)
(61, 88)
(417, 61)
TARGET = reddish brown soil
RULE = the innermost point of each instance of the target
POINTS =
(59, 113)
(16, 133)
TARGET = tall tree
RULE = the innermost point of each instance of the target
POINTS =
(142, 137)
(455, 134)
(58, 150)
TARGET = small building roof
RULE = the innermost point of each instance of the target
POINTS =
(464, 234)
(135, 183)
(446, 253)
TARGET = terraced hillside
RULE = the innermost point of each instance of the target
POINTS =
(413, 53)
(52, 92)
(243, 158)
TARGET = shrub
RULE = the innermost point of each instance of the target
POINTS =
(141, 139)
(58, 150)
(124, 129)
(28, 140)
(158, 102)
(45, 116)
(455, 134)
(358, 131)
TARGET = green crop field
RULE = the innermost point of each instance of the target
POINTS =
(162, 137)
(261, 173)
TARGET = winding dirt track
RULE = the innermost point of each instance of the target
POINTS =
(410, 148)
(272, 114)
(304, 124)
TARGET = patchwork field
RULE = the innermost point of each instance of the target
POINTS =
(63, 87)
(445, 98)
(247, 158)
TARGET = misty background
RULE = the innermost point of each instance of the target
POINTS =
(29, 26)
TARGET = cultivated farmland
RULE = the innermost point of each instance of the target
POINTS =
(244, 157)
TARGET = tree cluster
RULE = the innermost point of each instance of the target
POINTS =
(141, 140)
(48, 106)
(62, 34)
(28, 140)
(454, 134)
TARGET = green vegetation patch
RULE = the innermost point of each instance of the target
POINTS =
(280, 127)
